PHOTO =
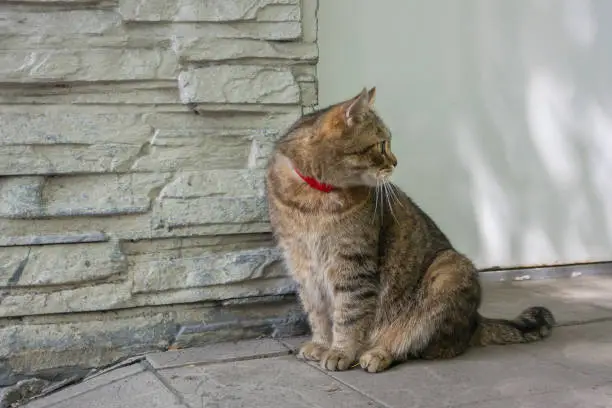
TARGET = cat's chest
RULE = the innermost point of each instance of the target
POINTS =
(310, 256)
(316, 243)
(312, 240)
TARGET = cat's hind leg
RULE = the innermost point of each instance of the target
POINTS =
(441, 316)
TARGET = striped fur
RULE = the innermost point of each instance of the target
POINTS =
(379, 280)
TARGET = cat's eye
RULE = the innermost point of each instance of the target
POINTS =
(383, 147)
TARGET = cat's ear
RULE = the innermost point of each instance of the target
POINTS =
(344, 115)
(371, 96)
(356, 107)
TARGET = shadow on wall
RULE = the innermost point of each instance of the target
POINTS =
(502, 120)
(543, 89)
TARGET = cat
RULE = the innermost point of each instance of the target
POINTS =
(379, 281)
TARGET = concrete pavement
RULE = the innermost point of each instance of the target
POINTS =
(571, 369)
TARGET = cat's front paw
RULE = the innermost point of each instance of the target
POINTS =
(375, 360)
(312, 351)
(337, 360)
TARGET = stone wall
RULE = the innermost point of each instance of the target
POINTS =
(133, 138)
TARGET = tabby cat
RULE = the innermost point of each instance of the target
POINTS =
(379, 280)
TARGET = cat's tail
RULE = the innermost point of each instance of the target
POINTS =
(533, 324)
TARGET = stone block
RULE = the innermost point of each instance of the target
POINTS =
(58, 23)
(177, 246)
(309, 20)
(229, 197)
(239, 84)
(80, 195)
(59, 264)
(178, 213)
(164, 248)
(262, 147)
(210, 11)
(140, 36)
(261, 121)
(212, 268)
(125, 227)
(43, 301)
(257, 288)
(216, 183)
(309, 94)
(190, 246)
(280, 12)
(122, 93)
(281, 31)
(203, 49)
(51, 239)
(102, 195)
(304, 72)
(110, 296)
(65, 159)
(188, 150)
(292, 324)
(86, 65)
(69, 141)
(21, 196)
(97, 340)
(72, 128)
(73, 3)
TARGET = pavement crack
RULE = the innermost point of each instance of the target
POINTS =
(149, 368)
(378, 403)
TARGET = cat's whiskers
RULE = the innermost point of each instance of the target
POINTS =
(395, 194)
(381, 192)
(375, 201)
(387, 196)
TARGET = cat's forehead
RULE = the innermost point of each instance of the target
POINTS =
(375, 124)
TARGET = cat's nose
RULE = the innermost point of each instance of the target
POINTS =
(393, 161)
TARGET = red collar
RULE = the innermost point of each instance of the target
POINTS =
(314, 183)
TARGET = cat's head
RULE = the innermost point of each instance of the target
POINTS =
(344, 145)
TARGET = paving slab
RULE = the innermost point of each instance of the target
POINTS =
(482, 374)
(589, 397)
(586, 348)
(282, 382)
(87, 386)
(137, 391)
(217, 353)
(294, 343)
(593, 290)
(566, 298)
